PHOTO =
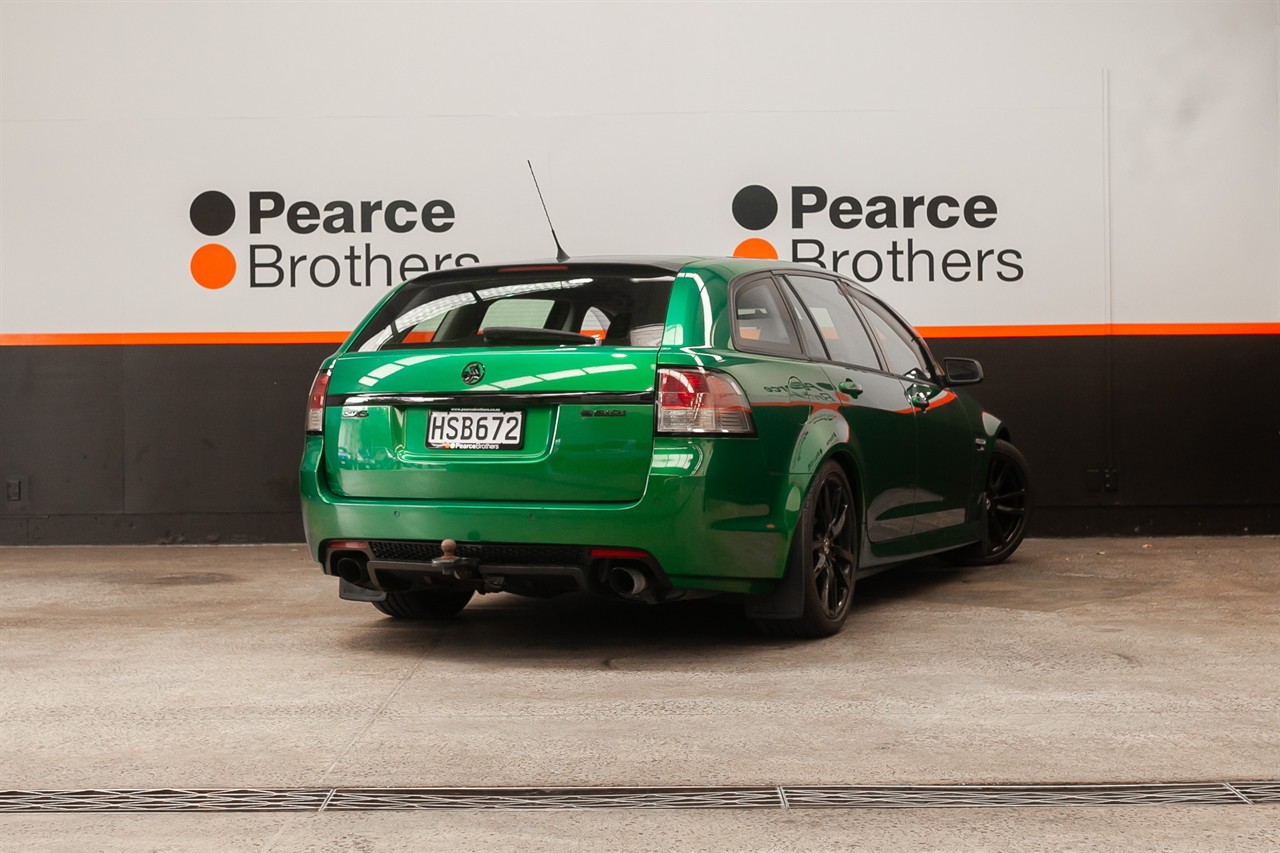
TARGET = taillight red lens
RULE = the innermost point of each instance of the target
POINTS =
(315, 403)
(680, 389)
(694, 400)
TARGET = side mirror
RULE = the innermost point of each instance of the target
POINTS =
(962, 371)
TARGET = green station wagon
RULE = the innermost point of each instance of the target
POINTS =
(649, 429)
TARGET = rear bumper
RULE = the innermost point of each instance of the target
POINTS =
(394, 565)
(704, 530)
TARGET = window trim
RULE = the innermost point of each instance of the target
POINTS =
(864, 302)
(756, 347)
(839, 284)
(379, 330)
(795, 305)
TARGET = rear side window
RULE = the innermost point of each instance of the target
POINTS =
(761, 321)
(555, 309)
(837, 321)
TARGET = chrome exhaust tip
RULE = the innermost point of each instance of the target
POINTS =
(351, 569)
(627, 581)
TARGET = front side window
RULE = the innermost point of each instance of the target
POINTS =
(896, 342)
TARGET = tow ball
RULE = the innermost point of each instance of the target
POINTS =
(453, 566)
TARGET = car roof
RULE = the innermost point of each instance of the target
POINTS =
(728, 267)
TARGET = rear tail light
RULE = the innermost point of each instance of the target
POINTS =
(693, 400)
(315, 403)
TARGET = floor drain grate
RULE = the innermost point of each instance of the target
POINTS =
(1013, 796)
(554, 798)
(784, 797)
(165, 800)
(1259, 792)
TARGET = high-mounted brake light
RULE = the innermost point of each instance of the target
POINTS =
(315, 403)
(698, 401)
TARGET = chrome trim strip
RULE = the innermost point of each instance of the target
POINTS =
(471, 400)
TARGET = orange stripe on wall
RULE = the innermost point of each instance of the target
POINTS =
(1080, 330)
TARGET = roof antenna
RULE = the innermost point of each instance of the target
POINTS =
(561, 254)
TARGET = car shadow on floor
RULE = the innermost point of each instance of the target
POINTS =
(923, 577)
(583, 628)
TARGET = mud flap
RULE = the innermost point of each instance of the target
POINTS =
(784, 601)
(983, 509)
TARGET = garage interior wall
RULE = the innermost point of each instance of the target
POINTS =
(1122, 287)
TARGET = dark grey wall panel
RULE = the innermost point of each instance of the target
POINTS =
(153, 444)
(201, 443)
(1118, 520)
(1182, 421)
(1198, 420)
(215, 428)
(162, 528)
(1051, 393)
(62, 429)
(14, 531)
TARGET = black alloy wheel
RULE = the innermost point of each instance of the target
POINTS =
(1007, 507)
(825, 551)
(1006, 500)
(829, 545)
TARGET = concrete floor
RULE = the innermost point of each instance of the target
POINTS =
(1078, 661)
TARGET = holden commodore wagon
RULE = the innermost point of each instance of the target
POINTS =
(647, 429)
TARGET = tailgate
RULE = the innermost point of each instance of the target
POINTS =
(507, 424)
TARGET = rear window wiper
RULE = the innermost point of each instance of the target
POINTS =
(515, 335)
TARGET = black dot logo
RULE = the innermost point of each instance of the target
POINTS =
(755, 207)
(212, 213)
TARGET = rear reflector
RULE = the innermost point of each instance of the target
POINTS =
(699, 401)
(618, 554)
(348, 545)
(315, 403)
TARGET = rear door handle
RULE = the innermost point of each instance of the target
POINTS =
(848, 386)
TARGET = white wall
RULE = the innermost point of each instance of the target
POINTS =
(1132, 149)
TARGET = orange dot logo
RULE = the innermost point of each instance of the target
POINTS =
(754, 247)
(213, 266)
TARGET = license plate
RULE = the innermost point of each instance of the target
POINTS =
(475, 429)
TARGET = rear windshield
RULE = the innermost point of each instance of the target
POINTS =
(560, 308)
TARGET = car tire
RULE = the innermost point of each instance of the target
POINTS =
(1007, 499)
(825, 551)
(424, 604)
